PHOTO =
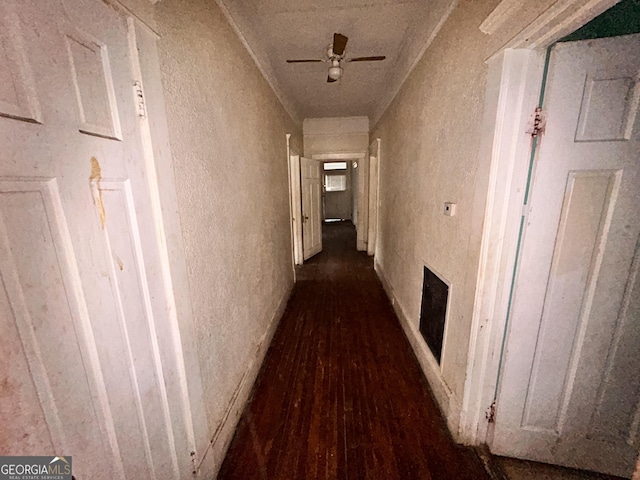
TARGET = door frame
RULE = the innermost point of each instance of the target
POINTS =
(362, 223)
(374, 195)
(162, 193)
(295, 203)
(181, 335)
(514, 82)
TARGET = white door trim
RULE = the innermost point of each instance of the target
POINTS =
(295, 210)
(180, 339)
(362, 224)
(374, 197)
(512, 91)
(560, 19)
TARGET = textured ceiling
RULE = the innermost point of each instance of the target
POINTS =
(277, 30)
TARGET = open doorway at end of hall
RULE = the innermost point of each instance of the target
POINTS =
(338, 185)
(348, 178)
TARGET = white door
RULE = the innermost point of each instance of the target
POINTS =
(570, 388)
(296, 208)
(82, 303)
(311, 177)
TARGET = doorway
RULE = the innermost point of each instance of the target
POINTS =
(357, 181)
(352, 206)
(513, 90)
(337, 191)
(569, 389)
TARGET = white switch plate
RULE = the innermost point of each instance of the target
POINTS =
(449, 209)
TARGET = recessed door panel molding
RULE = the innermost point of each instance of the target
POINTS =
(45, 299)
(609, 107)
(18, 96)
(137, 340)
(581, 234)
(22, 412)
(91, 73)
(616, 414)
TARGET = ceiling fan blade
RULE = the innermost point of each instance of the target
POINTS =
(339, 43)
(366, 59)
(331, 80)
(304, 61)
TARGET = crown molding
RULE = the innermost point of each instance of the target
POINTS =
(500, 15)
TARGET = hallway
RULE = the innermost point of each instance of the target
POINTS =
(340, 394)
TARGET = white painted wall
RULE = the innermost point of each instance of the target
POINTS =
(227, 135)
(431, 149)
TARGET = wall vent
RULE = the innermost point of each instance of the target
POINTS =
(433, 311)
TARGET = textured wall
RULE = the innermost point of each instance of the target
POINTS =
(227, 134)
(430, 141)
(338, 143)
(335, 135)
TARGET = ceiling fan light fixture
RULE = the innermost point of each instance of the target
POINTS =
(335, 55)
(335, 72)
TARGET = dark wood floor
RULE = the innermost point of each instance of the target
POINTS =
(340, 394)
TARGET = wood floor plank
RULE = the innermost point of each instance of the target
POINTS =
(341, 394)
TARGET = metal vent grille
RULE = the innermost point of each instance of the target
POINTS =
(433, 312)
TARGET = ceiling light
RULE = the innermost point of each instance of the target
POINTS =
(335, 72)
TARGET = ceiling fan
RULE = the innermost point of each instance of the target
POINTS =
(335, 55)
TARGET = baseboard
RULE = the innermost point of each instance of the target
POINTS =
(445, 398)
(221, 438)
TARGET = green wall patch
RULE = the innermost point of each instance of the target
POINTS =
(621, 19)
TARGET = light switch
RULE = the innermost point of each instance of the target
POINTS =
(449, 209)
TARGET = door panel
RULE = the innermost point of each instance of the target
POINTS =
(583, 228)
(311, 177)
(93, 85)
(39, 286)
(79, 252)
(570, 388)
(18, 95)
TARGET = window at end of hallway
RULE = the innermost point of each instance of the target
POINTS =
(335, 183)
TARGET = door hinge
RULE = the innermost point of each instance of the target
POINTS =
(490, 414)
(139, 98)
(538, 123)
(194, 463)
